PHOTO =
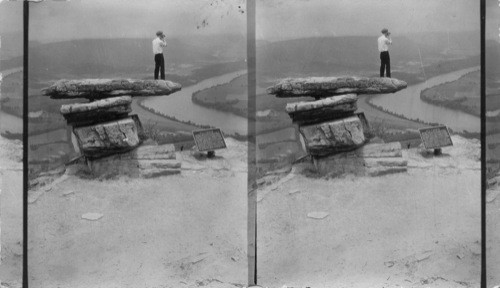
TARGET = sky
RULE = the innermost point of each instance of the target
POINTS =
(76, 19)
(492, 19)
(11, 17)
(284, 19)
(276, 19)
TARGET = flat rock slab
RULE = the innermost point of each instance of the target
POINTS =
(334, 136)
(152, 152)
(143, 162)
(97, 111)
(143, 152)
(379, 150)
(328, 86)
(317, 214)
(108, 138)
(369, 160)
(134, 168)
(92, 216)
(308, 112)
(106, 88)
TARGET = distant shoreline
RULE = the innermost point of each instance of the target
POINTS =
(465, 133)
(171, 118)
(222, 106)
(157, 113)
(413, 79)
(450, 104)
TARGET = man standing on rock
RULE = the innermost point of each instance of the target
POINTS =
(158, 43)
(383, 47)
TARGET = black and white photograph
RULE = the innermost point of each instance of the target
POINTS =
(368, 143)
(137, 148)
(249, 143)
(492, 89)
(11, 144)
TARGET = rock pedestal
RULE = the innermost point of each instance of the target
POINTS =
(325, 109)
(103, 126)
(108, 138)
(329, 86)
(332, 132)
(105, 88)
(329, 137)
(98, 111)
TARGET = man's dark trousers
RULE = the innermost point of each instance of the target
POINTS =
(385, 64)
(159, 66)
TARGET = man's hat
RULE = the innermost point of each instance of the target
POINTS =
(159, 33)
(385, 30)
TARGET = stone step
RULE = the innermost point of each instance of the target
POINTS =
(321, 87)
(106, 88)
(159, 173)
(146, 161)
(108, 138)
(309, 112)
(98, 111)
(134, 168)
(335, 136)
(381, 171)
(379, 150)
(369, 160)
(150, 152)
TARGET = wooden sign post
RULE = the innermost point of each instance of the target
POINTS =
(209, 140)
(435, 138)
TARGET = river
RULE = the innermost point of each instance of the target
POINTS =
(407, 102)
(180, 106)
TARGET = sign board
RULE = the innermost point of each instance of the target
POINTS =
(209, 139)
(435, 137)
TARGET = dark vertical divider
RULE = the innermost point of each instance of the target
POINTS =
(483, 146)
(25, 142)
(252, 196)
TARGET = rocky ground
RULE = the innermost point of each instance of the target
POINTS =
(493, 232)
(414, 229)
(185, 230)
(11, 208)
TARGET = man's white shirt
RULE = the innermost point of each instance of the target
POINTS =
(383, 43)
(158, 45)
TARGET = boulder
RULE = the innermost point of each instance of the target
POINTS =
(333, 136)
(308, 112)
(97, 111)
(369, 160)
(321, 87)
(106, 88)
(108, 138)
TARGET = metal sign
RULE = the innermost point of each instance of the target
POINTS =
(435, 137)
(209, 139)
